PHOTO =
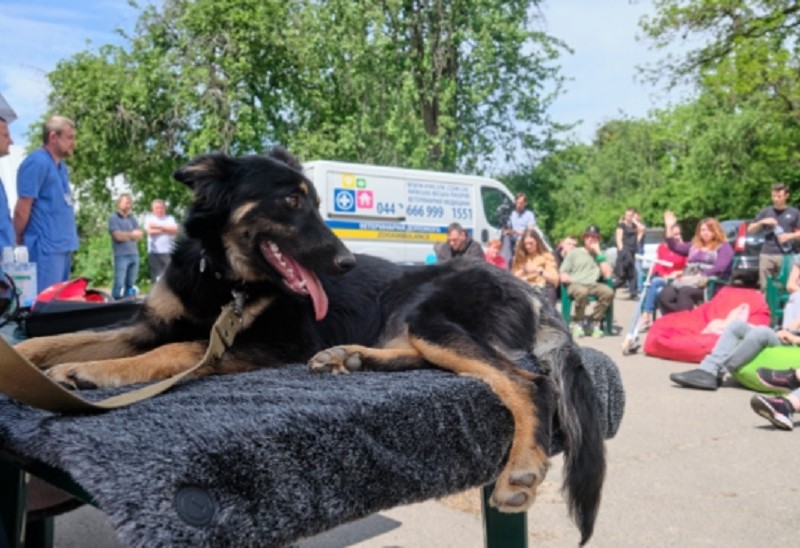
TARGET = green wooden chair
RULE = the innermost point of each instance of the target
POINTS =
(775, 291)
(566, 309)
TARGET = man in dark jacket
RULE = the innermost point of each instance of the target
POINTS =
(458, 244)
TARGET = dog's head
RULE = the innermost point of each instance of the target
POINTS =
(259, 214)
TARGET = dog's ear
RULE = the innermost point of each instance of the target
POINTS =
(282, 155)
(205, 168)
(210, 177)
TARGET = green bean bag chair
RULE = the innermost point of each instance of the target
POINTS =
(774, 357)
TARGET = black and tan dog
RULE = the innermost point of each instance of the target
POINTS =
(255, 229)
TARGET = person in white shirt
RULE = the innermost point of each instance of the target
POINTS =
(161, 230)
(521, 219)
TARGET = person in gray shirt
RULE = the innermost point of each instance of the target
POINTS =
(125, 233)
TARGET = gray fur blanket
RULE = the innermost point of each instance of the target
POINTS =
(266, 458)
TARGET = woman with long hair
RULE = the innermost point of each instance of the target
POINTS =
(533, 263)
(708, 255)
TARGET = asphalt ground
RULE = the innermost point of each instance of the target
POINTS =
(687, 468)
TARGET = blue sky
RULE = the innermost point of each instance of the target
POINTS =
(37, 33)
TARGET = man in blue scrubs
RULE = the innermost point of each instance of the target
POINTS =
(7, 237)
(44, 217)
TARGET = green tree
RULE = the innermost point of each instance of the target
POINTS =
(741, 134)
(445, 85)
(421, 83)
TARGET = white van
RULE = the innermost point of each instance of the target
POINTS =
(399, 214)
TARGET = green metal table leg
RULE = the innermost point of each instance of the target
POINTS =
(40, 533)
(13, 504)
(502, 530)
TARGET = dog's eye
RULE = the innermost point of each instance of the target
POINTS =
(294, 201)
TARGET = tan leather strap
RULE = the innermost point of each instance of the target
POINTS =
(26, 383)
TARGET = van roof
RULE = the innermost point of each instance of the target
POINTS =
(389, 171)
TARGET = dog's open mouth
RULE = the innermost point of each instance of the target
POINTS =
(296, 277)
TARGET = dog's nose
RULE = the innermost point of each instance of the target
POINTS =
(345, 261)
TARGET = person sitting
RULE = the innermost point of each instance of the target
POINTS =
(582, 270)
(778, 410)
(533, 263)
(708, 255)
(492, 253)
(660, 275)
(564, 246)
(738, 344)
(791, 309)
(458, 244)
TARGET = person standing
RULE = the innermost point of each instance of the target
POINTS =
(641, 228)
(520, 220)
(161, 230)
(44, 216)
(627, 241)
(125, 233)
(7, 237)
(781, 222)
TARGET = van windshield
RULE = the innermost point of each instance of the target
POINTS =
(496, 206)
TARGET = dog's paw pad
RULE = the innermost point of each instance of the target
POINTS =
(509, 498)
(334, 360)
(353, 362)
(517, 499)
(523, 479)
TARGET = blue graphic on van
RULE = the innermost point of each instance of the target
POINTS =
(344, 200)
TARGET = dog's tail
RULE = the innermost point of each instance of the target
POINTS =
(584, 452)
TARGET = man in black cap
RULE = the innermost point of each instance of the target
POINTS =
(582, 273)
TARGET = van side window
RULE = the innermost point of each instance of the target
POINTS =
(496, 206)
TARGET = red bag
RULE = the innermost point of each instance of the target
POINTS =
(72, 290)
(678, 336)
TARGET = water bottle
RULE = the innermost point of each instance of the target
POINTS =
(785, 247)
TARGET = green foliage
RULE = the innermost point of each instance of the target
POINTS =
(716, 155)
(445, 85)
(95, 260)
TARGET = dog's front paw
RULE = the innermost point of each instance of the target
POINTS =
(515, 488)
(336, 360)
(73, 376)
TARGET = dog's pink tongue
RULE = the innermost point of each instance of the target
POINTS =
(318, 296)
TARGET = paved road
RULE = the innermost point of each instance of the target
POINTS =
(687, 468)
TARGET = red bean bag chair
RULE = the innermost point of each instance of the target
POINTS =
(678, 336)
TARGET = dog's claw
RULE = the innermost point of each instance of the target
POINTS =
(82, 384)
